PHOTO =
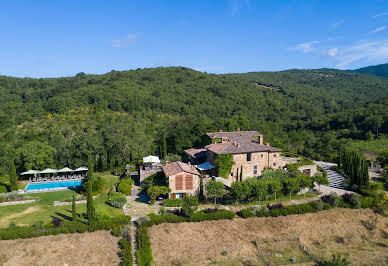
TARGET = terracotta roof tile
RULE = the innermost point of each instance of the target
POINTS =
(242, 146)
(234, 135)
(178, 167)
(196, 152)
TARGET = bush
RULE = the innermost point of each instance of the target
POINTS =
(173, 202)
(190, 205)
(317, 205)
(37, 230)
(125, 252)
(3, 188)
(246, 213)
(144, 252)
(218, 215)
(125, 186)
(275, 206)
(126, 232)
(56, 222)
(11, 196)
(352, 199)
(117, 202)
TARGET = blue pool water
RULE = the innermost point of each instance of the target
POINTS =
(59, 184)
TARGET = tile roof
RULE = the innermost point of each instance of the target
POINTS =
(234, 135)
(196, 152)
(241, 146)
(178, 167)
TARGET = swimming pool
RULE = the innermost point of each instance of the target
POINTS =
(56, 185)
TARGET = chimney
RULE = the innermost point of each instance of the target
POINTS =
(267, 144)
(238, 144)
(238, 129)
(220, 130)
(235, 143)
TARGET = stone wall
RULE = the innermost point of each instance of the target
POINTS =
(172, 184)
(259, 159)
(16, 202)
(312, 168)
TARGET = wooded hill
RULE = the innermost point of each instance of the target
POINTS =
(122, 116)
(378, 70)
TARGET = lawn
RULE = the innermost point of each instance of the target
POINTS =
(43, 210)
(358, 234)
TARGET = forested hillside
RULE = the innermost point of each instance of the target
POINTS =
(378, 70)
(121, 116)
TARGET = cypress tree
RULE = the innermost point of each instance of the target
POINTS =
(73, 210)
(164, 151)
(91, 212)
(241, 174)
(201, 196)
(13, 180)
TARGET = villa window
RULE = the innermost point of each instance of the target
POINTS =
(255, 170)
(274, 164)
(274, 155)
(249, 157)
(262, 155)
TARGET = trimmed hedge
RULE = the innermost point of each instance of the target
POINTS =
(125, 186)
(173, 202)
(144, 252)
(64, 228)
(125, 252)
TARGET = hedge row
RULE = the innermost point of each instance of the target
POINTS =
(173, 202)
(125, 252)
(144, 252)
(63, 228)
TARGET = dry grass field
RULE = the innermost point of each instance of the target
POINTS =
(98, 248)
(359, 235)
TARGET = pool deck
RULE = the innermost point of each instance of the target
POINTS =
(41, 190)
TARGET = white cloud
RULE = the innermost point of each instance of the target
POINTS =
(306, 47)
(365, 50)
(338, 23)
(378, 29)
(125, 42)
(332, 52)
(380, 15)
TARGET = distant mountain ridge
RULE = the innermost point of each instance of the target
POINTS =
(377, 70)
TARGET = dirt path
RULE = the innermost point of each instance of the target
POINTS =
(5, 221)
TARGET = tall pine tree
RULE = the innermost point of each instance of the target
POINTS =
(201, 196)
(13, 179)
(91, 212)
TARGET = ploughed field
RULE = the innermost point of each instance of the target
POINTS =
(97, 248)
(360, 235)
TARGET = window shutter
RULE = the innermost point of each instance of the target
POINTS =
(189, 182)
(179, 182)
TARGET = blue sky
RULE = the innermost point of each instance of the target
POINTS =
(61, 38)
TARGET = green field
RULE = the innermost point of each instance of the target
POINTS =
(43, 210)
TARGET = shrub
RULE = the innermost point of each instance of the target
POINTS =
(190, 205)
(352, 199)
(246, 213)
(317, 205)
(56, 222)
(126, 232)
(275, 206)
(142, 219)
(117, 201)
(218, 215)
(173, 202)
(125, 186)
(144, 252)
(3, 189)
(125, 252)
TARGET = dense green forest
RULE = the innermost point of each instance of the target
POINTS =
(378, 70)
(122, 116)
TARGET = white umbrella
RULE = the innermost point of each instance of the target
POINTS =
(30, 172)
(82, 168)
(151, 159)
(65, 170)
(49, 171)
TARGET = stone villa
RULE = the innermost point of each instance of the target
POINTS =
(249, 155)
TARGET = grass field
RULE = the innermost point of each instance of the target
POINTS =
(360, 235)
(44, 210)
(98, 248)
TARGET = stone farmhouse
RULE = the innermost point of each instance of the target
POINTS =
(183, 179)
(249, 155)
